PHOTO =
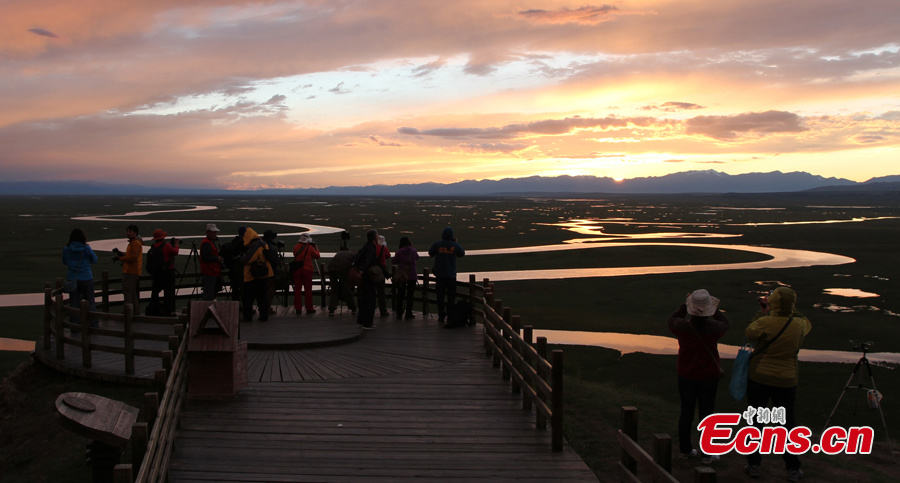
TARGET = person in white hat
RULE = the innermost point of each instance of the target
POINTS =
(698, 324)
(210, 263)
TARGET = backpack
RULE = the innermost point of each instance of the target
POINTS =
(460, 315)
(401, 275)
(156, 259)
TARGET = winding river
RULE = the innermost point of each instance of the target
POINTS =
(779, 258)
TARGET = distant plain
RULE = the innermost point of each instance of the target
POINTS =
(863, 227)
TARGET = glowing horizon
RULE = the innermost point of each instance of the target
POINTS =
(238, 94)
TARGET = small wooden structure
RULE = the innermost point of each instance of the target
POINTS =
(217, 360)
(105, 422)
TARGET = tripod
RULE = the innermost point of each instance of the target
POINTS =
(863, 361)
(193, 257)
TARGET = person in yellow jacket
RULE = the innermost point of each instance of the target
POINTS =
(132, 261)
(779, 330)
(257, 270)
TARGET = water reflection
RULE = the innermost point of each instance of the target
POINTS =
(653, 344)
(16, 345)
(781, 258)
(849, 292)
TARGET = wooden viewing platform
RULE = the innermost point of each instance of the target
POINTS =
(328, 401)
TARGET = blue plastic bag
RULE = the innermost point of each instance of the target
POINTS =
(740, 371)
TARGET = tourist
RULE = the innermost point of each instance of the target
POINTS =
(383, 254)
(445, 252)
(78, 258)
(230, 253)
(161, 267)
(341, 288)
(132, 261)
(257, 272)
(367, 261)
(778, 331)
(305, 255)
(273, 252)
(210, 263)
(698, 324)
(405, 276)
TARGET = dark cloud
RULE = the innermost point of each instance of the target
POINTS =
(43, 32)
(545, 127)
(481, 148)
(425, 69)
(381, 142)
(277, 99)
(673, 107)
(731, 127)
(339, 89)
(869, 138)
(587, 15)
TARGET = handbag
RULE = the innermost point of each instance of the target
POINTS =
(354, 276)
(375, 274)
(740, 372)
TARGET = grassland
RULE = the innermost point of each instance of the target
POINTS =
(599, 381)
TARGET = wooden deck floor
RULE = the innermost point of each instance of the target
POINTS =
(408, 401)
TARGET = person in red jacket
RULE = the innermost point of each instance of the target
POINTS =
(305, 255)
(210, 263)
(698, 324)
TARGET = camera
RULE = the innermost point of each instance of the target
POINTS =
(345, 235)
(862, 346)
(175, 241)
(117, 254)
(279, 244)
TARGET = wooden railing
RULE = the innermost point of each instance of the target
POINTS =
(635, 461)
(525, 364)
(152, 439)
(57, 312)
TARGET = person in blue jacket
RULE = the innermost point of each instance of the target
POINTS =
(445, 252)
(78, 257)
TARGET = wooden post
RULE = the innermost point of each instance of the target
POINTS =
(150, 411)
(104, 290)
(704, 474)
(140, 436)
(323, 284)
(527, 334)
(58, 322)
(122, 474)
(425, 278)
(129, 339)
(556, 423)
(48, 314)
(516, 323)
(85, 335)
(541, 347)
(629, 428)
(159, 381)
(662, 451)
(168, 360)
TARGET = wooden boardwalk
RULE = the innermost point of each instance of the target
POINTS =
(408, 401)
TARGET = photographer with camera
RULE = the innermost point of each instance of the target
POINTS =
(161, 267)
(779, 330)
(210, 263)
(131, 260)
(305, 255)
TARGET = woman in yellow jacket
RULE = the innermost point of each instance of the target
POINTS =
(779, 330)
(257, 270)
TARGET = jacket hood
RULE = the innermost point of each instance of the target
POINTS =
(447, 234)
(782, 302)
(249, 236)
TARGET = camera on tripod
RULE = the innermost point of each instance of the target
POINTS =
(862, 346)
(279, 244)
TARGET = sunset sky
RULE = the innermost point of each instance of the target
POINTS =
(243, 94)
